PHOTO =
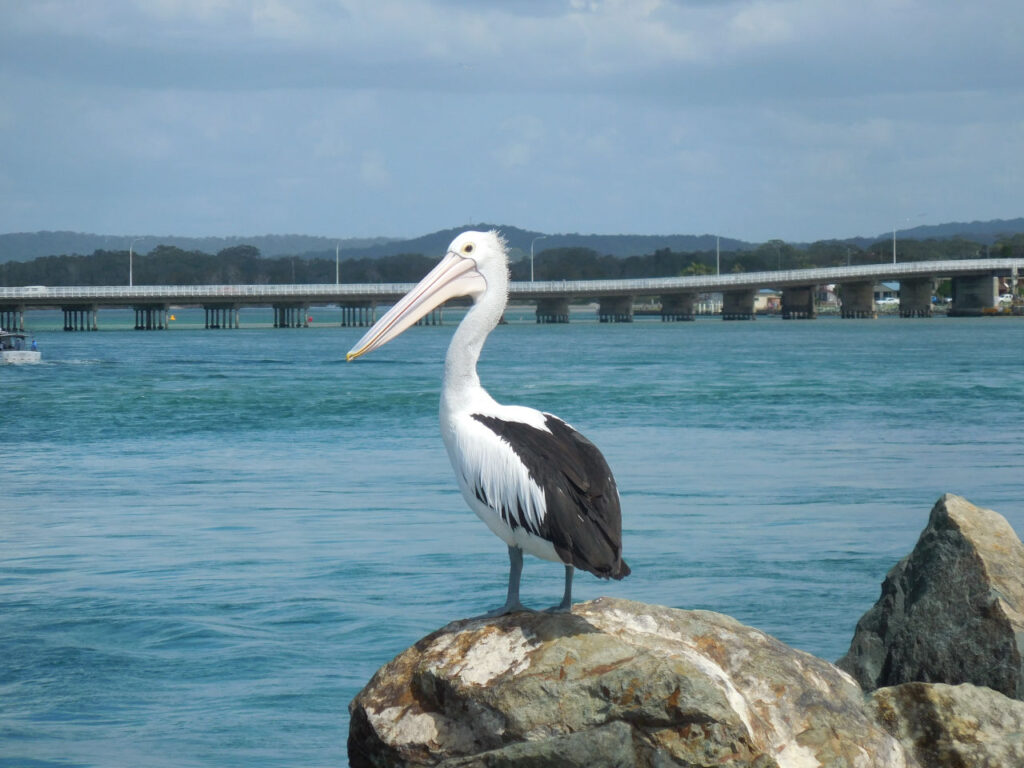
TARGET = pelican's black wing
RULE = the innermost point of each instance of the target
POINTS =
(582, 517)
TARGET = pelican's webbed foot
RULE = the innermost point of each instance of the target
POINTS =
(507, 608)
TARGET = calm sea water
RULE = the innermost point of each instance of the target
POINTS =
(209, 540)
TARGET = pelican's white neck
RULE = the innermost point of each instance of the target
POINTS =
(461, 382)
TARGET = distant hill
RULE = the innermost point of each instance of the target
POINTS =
(24, 246)
(519, 241)
(984, 232)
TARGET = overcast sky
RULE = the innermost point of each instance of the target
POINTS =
(797, 119)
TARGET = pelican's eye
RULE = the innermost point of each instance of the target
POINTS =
(467, 248)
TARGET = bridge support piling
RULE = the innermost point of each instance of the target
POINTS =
(150, 317)
(553, 310)
(12, 318)
(291, 315)
(677, 307)
(974, 295)
(798, 303)
(916, 297)
(221, 316)
(79, 318)
(615, 309)
(858, 300)
(358, 315)
(433, 317)
(738, 305)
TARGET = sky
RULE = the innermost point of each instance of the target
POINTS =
(755, 119)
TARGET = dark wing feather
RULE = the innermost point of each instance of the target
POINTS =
(582, 517)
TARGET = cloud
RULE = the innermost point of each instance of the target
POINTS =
(373, 170)
(777, 47)
(775, 117)
(760, 24)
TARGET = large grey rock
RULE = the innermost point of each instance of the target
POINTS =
(952, 611)
(953, 726)
(614, 683)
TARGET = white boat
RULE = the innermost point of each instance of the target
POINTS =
(14, 350)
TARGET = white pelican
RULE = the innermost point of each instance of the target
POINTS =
(539, 484)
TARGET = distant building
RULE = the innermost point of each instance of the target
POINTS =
(767, 300)
(887, 291)
(826, 297)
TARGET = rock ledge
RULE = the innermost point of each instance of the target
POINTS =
(620, 683)
(952, 611)
(614, 683)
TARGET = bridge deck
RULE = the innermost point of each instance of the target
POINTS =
(125, 296)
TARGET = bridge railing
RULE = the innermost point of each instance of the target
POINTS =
(205, 292)
(125, 295)
(775, 278)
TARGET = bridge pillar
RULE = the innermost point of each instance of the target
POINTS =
(358, 315)
(553, 310)
(221, 315)
(80, 317)
(916, 297)
(615, 309)
(433, 317)
(738, 305)
(1017, 307)
(291, 315)
(973, 294)
(676, 307)
(150, 317)
(798, 303)
(12, 317)
(858, 300)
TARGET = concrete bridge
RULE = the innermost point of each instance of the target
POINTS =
(975, 292)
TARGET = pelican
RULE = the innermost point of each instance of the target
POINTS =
(537, 483)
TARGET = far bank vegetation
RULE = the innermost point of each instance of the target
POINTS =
(243, 264)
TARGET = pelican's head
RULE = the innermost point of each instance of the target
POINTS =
(474, 261)
(487, 249)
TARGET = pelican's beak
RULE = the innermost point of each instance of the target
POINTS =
(455, 275)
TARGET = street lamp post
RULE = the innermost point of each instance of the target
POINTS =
(131, 245)
(905, 222)
(337, 263)
(539, 237)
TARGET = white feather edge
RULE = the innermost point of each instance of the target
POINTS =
(481, 458)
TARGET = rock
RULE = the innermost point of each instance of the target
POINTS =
(614, 683)
(956, 726)
(952, 611)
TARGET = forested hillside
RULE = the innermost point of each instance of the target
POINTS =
(169, 265)
(25, 246)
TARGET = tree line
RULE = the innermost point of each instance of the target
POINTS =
(243, 264)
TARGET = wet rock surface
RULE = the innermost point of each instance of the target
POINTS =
(614, 683)
(620, 683)
(945, 725)
(952, 611)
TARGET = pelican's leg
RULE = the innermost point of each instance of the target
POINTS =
(566, 604)
(515, 572)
